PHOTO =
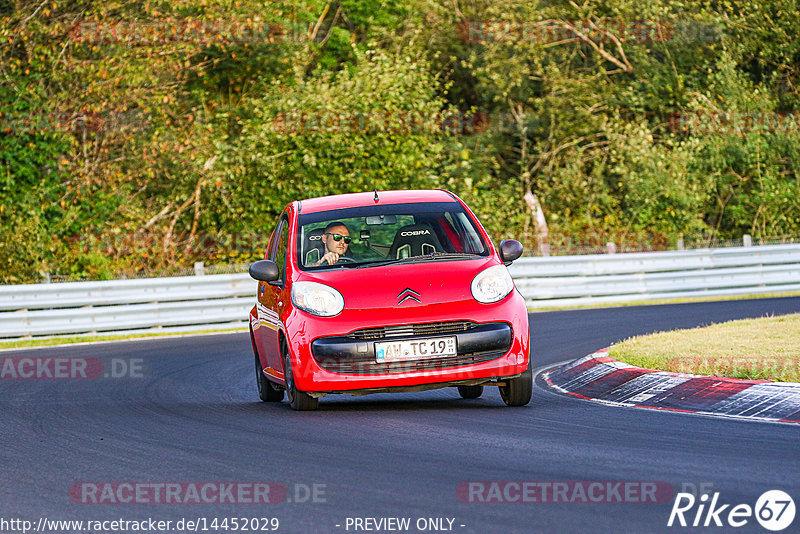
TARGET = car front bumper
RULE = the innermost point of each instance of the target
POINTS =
(475, 343)
(326, 357)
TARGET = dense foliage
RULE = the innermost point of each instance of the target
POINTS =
(142, 135)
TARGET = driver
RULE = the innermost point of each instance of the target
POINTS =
(337, 239)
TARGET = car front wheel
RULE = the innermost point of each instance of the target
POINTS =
(517, 391)
(298, 400)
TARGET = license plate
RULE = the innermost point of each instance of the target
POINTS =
(418, 349)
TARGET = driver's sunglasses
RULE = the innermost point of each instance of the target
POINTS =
(339, 237)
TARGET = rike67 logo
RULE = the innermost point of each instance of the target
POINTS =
(774, 510)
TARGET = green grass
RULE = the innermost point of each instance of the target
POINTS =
(757, 349)
(69, 340)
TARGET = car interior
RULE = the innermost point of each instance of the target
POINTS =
(394, 237)
(313, 246)
(414, 240)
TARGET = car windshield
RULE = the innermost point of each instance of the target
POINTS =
(384, 234)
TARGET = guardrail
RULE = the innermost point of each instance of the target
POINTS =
(609, 278)
(122, 305)
(212, 301)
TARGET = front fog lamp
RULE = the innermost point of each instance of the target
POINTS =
(492, 284)
(317, 299)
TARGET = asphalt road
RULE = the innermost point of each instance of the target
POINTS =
(190, 414)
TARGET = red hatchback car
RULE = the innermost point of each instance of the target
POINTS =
(388, 291)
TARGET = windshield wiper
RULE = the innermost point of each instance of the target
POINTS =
(435, 255)
(421, 257)
(377, 263)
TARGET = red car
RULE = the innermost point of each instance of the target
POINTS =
(387, 291)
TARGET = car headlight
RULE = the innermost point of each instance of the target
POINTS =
(317, 299)
(492, 284)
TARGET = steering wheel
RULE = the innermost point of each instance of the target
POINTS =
(345, 259)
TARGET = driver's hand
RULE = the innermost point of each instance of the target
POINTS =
(329, 257)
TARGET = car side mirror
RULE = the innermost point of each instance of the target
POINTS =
(510, 250)
(264, 270)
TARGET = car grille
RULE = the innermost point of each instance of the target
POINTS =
(369, 366)
(427, 329)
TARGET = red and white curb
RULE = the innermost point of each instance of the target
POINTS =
(601, 378)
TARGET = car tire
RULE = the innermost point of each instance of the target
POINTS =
(470, 392)
(518, 391)
(298, 400)
(267, 390)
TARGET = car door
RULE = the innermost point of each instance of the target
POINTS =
(270, 300)
(260, 330)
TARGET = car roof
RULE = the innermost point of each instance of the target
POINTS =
(357, 200)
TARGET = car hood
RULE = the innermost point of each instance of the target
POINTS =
(405, 285)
